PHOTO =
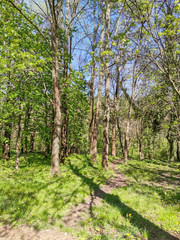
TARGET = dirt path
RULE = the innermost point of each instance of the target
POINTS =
(75, 215)
(25, 233)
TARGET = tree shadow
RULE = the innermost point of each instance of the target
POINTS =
(154, 232)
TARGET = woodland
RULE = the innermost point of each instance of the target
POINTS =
(90, 113)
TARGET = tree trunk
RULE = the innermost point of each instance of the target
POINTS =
(126, 145)
(47, 139)
(64, 96)
(101, 74)
(107, 99)
(178, 151)
(56, 103)
(91, 129)
(140, 150)
(18, 141)
(6, 142)
(120, 138)
(114, 121)
(64, 132)
(171, 148)
(26, 128)
(91, 125)
(32, 142)
(114, 136)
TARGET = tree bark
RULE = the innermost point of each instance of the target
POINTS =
(56, 101)
(107, 99)
(120, 137)
(64, 133)
(91, 127)
(92, 116)
(126, 143)
(171, 149)
(114, 121)
(114, 136)
(32, 142)
(18, 141)
(26, 128)
(6, 142)
(101, 75)
(47, 138)
(64, 96)
(140, 150)
(178, 151)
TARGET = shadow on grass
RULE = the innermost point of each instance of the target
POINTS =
(154, 180)
(154, 232)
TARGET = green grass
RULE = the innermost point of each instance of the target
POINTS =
(30, 196)
(146, 208)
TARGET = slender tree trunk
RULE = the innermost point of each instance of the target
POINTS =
(126, 143)
(64, 133)
(26, 128)
(149, 154)
(64, 97)
(114, 121)
(56, 104)
(32, 140)
(91, 107)
(91, 125)
(101, 75)
(18, 141)
(140, 149)
(107, 99)
(114, 135)
(171, 149)
(47, 139)
(120, 137)
(178, 151)
(6, 143)
(91, 128)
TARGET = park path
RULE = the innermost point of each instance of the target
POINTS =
(76, 214)
(7, 232)
(25, 233)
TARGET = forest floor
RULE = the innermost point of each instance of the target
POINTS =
(137, 201)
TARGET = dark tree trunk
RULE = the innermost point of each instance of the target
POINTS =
(178, 151)
(120, 138)
(32, 140)
(126, 148)
(64, 134)
(6, 142)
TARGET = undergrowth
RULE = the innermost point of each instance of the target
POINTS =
(146, 208)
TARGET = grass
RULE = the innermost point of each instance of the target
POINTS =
(146, 208)
(30, 196)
